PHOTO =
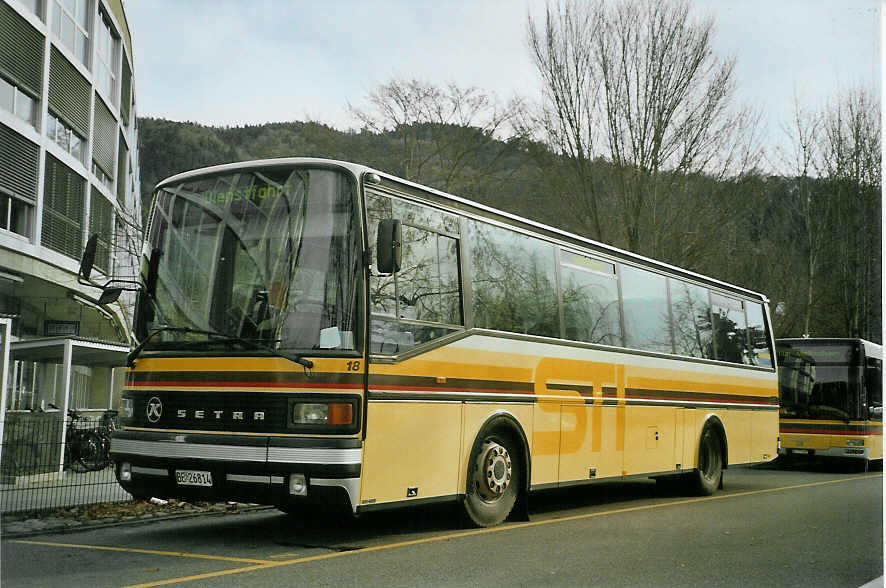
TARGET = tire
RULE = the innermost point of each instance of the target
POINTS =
(708, 474)
(495, 476)
(91, 451)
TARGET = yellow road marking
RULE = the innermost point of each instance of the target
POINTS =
(266, 564)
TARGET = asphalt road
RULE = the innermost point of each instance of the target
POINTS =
(768, 527)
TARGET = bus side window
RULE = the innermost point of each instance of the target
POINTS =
(874, 386)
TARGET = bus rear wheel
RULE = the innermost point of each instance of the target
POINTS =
(709, 471)
(494, 481)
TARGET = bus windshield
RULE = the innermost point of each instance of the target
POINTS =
(263, 256)
(818, 381)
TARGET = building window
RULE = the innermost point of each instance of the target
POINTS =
(16, 215)
(35, 6)
(70, 23)
(65, 137)
(17, 102)
(106, 58)
(103, 178)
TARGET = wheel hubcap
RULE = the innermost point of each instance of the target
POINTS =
(494, 465)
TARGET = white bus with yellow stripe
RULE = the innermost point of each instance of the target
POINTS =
(319, 331)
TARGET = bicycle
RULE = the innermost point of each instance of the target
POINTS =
(107, 427)
(83, 447)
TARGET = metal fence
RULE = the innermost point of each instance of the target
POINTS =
(49, 461)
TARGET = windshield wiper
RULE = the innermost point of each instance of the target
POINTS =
(294, 357)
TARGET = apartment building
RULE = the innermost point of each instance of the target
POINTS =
(68, 169)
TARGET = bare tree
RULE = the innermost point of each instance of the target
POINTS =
(636, 82)
(439, 128)
(850, 160)
(808, 204)
(568, 117)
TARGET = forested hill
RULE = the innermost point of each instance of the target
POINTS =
(820, 268)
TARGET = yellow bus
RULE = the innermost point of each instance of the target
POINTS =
(831, 398)
(314, 331)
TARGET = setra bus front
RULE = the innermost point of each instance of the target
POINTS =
(248, 383)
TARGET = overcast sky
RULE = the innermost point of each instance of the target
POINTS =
(233, 62)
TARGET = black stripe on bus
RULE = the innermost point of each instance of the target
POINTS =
(431, 383)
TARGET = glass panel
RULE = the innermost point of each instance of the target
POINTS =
(81, 45)
(57, 20)
(21, 215)
(514, 286)
(728, 321)
(691, 314)
(51, 123)
(758, 338)
(34, 6)
(590, 300)
(76, 146)
(645, 306)
(67, 35)
(7, 95)
(4, 211)
(874, 386)
(24, 107)
(270, 255)
(424, 216)
(82, 12)
(818, 381)
(427, 287)
(427, 283)
(391, 337)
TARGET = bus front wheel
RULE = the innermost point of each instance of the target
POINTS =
(494, 479)
(709, 471)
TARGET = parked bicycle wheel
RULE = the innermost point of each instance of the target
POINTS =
(91, 451)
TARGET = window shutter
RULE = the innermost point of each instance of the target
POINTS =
(19, 163)
(104, 133)
(21, 51)
(68, 93)
(63, 203)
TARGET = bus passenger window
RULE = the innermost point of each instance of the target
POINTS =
(728, 325)
(590, 299)
(513, 282)
(758, 352)
(645, 307)
(691, 313)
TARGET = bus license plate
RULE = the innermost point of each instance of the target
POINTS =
(193, 478)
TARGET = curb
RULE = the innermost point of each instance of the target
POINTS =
(58, 525)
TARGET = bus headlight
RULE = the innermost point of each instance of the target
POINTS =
(855, 442)
(323, 413)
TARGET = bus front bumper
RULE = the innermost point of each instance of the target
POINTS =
(256, 469)
(856, 452)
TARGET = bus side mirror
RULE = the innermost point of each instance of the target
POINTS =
(387, 246)
(88, 258)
